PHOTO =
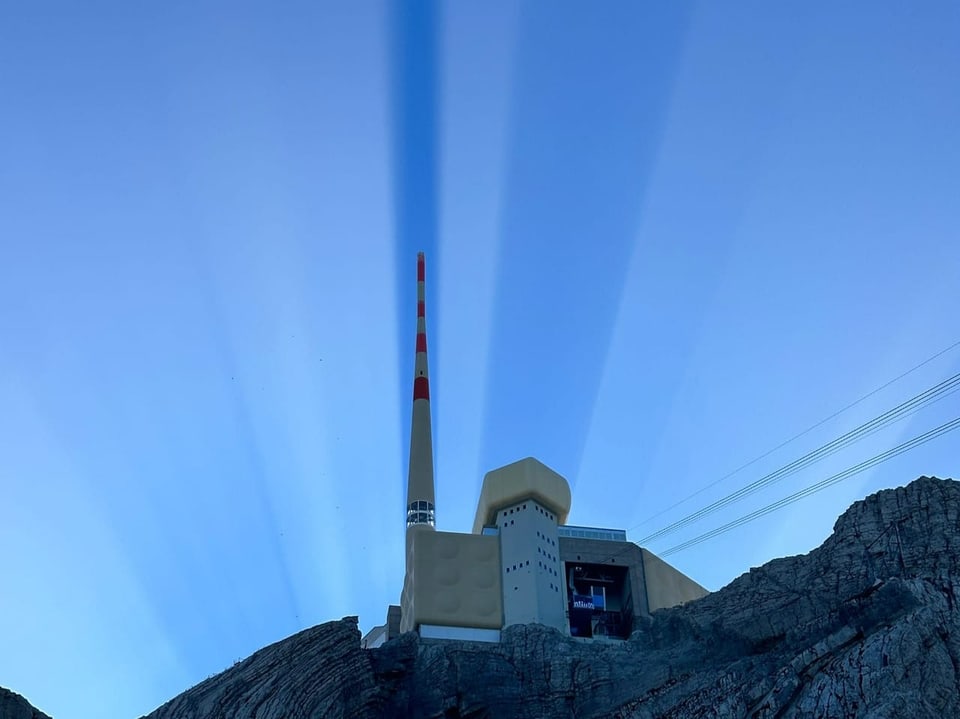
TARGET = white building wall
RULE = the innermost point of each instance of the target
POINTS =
(531, 574)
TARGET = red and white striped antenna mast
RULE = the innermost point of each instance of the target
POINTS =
(420, 489)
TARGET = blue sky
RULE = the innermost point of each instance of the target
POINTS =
(661, 239)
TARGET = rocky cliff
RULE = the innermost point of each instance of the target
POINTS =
(14, 706)
(867, 625)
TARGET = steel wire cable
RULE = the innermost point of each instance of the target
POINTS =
(797, 436)
(817, 486)
(895, 414)
(913, 411)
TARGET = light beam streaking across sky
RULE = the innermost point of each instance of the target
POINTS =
(663, 239)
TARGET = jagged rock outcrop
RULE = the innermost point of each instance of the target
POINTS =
(14, 706)
(867, 625)
(319, 672)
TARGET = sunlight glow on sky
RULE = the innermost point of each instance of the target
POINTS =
(661, 239)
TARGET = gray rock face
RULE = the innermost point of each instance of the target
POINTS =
(319, 672)
(867, 625)
(14, 706)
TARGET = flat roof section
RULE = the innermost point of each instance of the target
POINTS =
(608, 535)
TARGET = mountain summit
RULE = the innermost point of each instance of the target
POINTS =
(867, 625)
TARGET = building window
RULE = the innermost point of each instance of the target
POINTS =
(420, 512)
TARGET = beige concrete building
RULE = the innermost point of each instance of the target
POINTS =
(521, 563)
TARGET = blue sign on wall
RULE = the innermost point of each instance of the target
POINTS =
(583, 601)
